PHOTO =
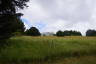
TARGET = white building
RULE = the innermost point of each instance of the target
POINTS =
(47, 34)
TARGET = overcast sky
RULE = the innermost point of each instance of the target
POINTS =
(54, 15)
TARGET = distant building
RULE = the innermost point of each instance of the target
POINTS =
(47, 34)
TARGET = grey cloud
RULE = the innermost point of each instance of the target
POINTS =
(69, 14)
(73, 10)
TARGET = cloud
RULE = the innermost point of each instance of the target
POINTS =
(53, 15)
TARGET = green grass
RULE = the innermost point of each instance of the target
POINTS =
(29, 49)
(75, 60)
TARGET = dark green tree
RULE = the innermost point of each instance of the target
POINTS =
(19, 27)
(11, 6)
(68, 33)
(72, 33)
(59, 33)
(33, 31)
(9, 17)
(91, 32)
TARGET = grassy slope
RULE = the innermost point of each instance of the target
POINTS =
(28, 49)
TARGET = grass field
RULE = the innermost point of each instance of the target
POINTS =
(49, 50)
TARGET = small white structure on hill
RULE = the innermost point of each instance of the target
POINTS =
(47, 34)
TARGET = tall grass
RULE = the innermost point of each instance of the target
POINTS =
(30, 49)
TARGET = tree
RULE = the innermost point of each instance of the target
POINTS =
(72, 33)
(11, 6)
(19, 27)
(9, 17)
(91, 32)
(59, 33)
(9, 26)
(33, 31)
(68, 33)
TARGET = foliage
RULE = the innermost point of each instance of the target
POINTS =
(17, 33)
(91, 32)
(9, 17)
(72, 33)
(19, 26)
(68, 33)
(10, 24)
(11, 6)
(59, 33)
(33, 31)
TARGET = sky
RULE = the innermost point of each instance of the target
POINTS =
(54, 15)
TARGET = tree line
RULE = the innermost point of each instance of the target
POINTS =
(68, 33)
(33, 31)
(89, 32)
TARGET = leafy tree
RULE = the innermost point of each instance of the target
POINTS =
(72, 33)
(68, 33)
(33, 31)
(91, 32)
(9, 26)
(59, 33)
(9, 17)
(19, 27)
(11, 6)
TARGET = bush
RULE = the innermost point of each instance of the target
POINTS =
(17, 34)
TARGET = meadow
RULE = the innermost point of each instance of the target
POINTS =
(49, 50)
